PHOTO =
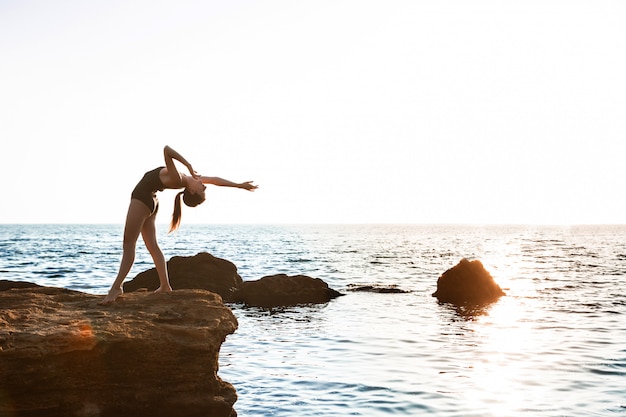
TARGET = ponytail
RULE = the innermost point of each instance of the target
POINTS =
(190, 200)
(176, 215)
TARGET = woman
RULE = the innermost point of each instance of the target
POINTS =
(143, 209)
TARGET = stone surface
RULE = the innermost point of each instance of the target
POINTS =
(6, 285)
(201, 271)
(283, 290)
(468, 282)
(375, 288)
(62, 354)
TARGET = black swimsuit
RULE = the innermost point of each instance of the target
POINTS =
(146, 189)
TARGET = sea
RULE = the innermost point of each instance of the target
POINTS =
(555, 345)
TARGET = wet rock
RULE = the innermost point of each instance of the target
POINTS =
(61, 354)
(201, 271)
(381, 289)
(6, 285)
(283, 290)
(468, 282)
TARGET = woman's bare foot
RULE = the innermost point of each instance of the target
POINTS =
(163, 290)
(111, 296)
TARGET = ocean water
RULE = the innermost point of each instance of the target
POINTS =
(554, 346)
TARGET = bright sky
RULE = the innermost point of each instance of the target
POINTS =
(342, 111)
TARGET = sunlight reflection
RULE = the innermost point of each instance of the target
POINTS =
(506, 264)
(503, 267)
(502, 377)
(80, 336)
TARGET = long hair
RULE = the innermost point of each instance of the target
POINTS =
(190, 200)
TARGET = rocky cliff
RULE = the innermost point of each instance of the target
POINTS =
(62, 354)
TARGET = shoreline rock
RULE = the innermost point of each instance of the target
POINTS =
(201, 271)
(468, 282)
(282, 290)
(6, 284)
(376, 288)
(62, 354)
(205, 271)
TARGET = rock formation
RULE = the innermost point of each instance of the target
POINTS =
(61, 354)
(205, 271)
(282, 290)
(468, 282)
(6, 285)
(202, 271)
(376, 288)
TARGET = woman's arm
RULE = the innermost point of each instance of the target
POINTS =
(221, 182)
(172, 177)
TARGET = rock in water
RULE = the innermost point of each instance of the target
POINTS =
(202, 271)
(61, 354)
(283, 290)
(467, 282)
(375, 288)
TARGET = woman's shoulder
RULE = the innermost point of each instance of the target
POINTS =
(169, 179)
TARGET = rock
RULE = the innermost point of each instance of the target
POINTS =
(201, 271)
(467, 282)
(381, 289)
(6, 285)
(61, 354)
(282, 290)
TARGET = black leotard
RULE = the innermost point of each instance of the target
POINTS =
(146, 189)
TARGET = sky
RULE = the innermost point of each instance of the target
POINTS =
(343, 111)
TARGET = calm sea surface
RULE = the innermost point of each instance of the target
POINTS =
(554, 346)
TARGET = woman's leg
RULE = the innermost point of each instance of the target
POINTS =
(138, 212)
(148, 233)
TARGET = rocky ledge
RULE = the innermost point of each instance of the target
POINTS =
(61, 354)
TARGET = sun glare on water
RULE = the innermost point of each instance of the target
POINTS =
(508, 345)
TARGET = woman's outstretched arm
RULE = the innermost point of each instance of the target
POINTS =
(221, 182)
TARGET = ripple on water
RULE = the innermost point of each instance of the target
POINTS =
(308, 397)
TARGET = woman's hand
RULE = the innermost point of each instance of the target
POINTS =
(248, 186)
(193, 172)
